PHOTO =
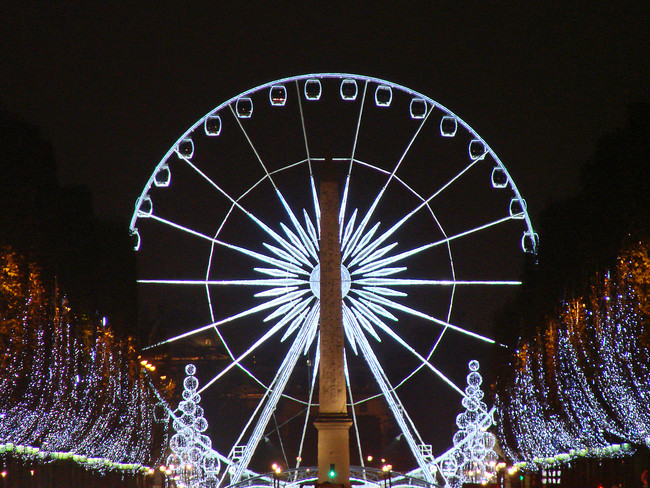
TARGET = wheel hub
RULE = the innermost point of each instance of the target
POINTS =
(314, 281)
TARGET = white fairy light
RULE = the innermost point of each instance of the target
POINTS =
(584, 381)
(473, 458)
(69, 389)
(192, 461)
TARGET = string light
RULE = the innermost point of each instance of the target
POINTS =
(192, 461)
(582, 382)
(473, 459)
(68, 388)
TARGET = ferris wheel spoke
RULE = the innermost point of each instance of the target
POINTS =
(347, 328)
(302, 240)
(366, 239)
(352, 405)
(262, 257)
(424, 361)
(232, 356)
(299, 258)
(316, 204)
(278, 273)
(243, 356)
(310, 229)
(289, 305)
(252, 146)
(429, 356)
(403, 308)
(283, 282)
(303, 244)
(346, 187)
(312, 183)
(365, 251)
(311, 324)
(312, 387)
(352, 245)
(274, 292)
(277, 387)
(387, 292)
(361, 320)
(385, 271)
(382, 251)
(386, 261)
(297, 317)
(349, 227)
(378, 309)
(293, 250)
(306, 243)
(372, 282)
(395, 405)
(263, 306)
(365, 316)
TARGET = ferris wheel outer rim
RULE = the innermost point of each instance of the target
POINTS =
(342, 76)
(296, 78)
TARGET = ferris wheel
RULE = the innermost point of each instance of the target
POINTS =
(432, 231)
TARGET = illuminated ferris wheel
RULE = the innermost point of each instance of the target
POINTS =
(432, 232)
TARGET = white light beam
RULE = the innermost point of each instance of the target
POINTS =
(270, 304)
(386, 261)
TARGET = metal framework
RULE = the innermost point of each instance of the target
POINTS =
(257, 158)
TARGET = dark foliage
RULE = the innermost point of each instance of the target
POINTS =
(90, 259)
(582, 235)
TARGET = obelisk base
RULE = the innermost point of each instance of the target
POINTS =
(334, 448)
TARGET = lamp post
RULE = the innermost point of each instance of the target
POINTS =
(388, 481)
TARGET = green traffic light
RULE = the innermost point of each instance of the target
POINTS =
(332, 472)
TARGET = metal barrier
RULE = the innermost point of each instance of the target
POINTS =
(306, 476)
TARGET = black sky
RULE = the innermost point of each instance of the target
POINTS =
(114, 85)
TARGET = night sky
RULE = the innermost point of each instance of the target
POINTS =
(113, 86)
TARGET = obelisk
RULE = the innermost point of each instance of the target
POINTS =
(333, 423)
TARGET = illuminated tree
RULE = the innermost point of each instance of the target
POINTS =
(192, 461)
(67, 384)
(473, 459)
(581, 385)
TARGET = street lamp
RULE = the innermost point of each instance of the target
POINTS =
(386, 468)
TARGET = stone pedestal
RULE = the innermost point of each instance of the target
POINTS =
(334, 448)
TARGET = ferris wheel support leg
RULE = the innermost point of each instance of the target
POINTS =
(277, 388)
(395, 405)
